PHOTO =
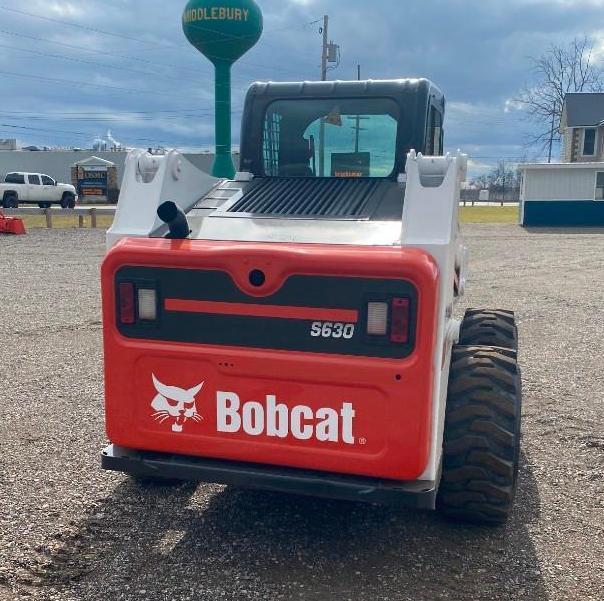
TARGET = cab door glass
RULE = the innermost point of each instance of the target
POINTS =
(34, 180)
(47, 181)
(434, 139)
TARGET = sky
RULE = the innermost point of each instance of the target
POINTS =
(70, 70)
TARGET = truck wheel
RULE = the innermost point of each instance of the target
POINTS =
(44, 205)
(11, 201)
(482, 435)
(68, 201)
(488, 327)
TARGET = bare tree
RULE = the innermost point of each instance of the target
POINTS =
(561, 70)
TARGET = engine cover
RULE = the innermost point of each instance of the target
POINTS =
(260, 352)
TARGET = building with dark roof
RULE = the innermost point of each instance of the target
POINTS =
(582, 127)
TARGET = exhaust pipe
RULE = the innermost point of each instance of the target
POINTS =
(172, 215)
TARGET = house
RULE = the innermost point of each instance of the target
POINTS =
(582, 128)
(570, 193)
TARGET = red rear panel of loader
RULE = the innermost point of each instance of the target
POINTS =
(309, 356)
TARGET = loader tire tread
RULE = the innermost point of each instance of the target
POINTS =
(489, 327)
(482, 435)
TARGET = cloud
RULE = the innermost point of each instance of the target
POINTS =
(475, 50)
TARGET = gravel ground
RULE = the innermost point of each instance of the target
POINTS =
(70, 531)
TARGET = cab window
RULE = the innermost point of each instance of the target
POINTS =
(14, 178)
(435, 133)
(47, 181)
(34, 179)
(353, 137)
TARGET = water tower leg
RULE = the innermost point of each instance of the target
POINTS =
(223, 164)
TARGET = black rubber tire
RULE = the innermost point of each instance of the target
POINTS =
(68, 201)
(489, 327)
(11, 201)
(482, 436)
(44, 205)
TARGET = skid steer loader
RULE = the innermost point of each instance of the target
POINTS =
(292, 329)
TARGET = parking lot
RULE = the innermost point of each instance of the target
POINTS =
(69, 531)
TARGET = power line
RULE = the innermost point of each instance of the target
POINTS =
(86, 84)
(90, 50)
(105, 53)
(131, 38)
(87, 28)
(87, 62)
(72, 133)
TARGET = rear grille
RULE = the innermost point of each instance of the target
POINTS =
(312, 197)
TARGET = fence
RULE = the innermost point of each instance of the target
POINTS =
(500, 197)
(81, 212)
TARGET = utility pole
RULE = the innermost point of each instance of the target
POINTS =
(325, 48)
(358, 129)
(503, 196)
(323, 78)
(330, 54)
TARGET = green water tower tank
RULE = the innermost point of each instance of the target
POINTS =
(223, 31)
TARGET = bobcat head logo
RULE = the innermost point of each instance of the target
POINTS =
(175, 404)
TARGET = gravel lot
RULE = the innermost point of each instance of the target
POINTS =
(70, 531)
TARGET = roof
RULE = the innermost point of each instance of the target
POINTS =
(583, 109)
(533, 166)
(94, 161)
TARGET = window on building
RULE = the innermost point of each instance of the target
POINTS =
(14, 178)
(47, 181)
(34, 179)
(589, 142)
(600, 185)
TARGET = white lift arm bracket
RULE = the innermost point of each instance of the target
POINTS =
(150, 180)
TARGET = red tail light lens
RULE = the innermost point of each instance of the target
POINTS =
(127, 309)
(399, 327)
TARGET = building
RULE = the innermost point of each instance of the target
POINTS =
(8, 144)
(570, 193)
(562, 194)
(582, 128)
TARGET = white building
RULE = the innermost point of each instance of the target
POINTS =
(570, 193)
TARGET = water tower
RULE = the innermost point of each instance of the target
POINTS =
(223, 31)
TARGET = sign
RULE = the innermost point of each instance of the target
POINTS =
(350, 164)
(216, 13)
(93, 191)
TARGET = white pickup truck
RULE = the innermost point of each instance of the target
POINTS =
(36, 188)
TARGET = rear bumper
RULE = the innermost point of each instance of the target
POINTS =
(418, 494)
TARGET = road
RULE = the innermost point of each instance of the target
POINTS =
(69, 531)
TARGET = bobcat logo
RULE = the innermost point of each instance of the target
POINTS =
(175, 403)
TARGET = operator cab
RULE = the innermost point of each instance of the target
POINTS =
(339, 129)
(347, 141)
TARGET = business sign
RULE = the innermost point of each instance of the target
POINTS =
(350, 164)
(93, 182)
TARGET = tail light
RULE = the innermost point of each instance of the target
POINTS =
(126, 303)
(399, 326)
(136, 303)
(389, 321)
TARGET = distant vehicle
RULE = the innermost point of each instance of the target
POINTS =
(36, 188)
